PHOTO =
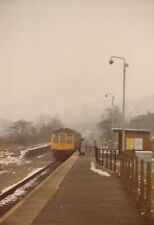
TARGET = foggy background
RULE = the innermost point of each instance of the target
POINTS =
(54, 58)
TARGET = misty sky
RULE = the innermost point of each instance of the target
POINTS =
(54, 55)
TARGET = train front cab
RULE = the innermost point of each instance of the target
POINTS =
(63, 145)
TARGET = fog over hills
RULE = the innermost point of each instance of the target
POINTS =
(85, 117)
(80, 113)
(140, 106)
(92, 113)
(91, 116)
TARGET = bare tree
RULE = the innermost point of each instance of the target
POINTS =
(24, 133)
(144, 121)
(45, 125)
(21, 132)
(105, 124)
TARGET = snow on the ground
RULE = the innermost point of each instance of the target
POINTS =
(30, 174)
(8, 157)
(24, 152)
(21, 191)
(33, 172)
(40, 156)
(11, 160)
(18, 193)
(3, 171)
(98, 171)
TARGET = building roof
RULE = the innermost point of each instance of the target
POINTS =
(131, 130)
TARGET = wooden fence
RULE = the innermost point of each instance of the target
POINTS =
(136, 176)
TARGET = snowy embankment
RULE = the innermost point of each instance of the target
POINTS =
(22, 191)
(29, 175)
(9, 158)
(17, 165)
(34, 149)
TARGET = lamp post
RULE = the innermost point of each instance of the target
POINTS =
(123, 102)
(112, 122)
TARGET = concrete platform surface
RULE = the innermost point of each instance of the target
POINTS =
(86, 198)
(28, 208)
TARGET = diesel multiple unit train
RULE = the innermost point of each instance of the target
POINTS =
(65, 142)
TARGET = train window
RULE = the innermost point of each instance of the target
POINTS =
(55, 138)
(69, 138)
(62, 138)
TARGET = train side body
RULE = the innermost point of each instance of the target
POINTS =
(64, 142)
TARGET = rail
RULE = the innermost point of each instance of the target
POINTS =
(7, 200)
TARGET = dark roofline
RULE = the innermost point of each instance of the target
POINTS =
(67, 130)
(131, 130)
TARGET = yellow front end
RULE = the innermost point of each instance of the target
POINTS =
(62, 147)
(62, 141)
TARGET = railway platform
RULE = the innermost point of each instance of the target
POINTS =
(82, 197)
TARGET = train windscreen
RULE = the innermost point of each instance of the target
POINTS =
(55, 138)
(69, 138)
(62, 138)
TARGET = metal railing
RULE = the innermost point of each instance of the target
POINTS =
(136, 176)
(106, 158)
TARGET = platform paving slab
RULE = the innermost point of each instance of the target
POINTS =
(87, 198)
(28, 208)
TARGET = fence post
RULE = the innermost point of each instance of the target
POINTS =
(99, 158)
(122, 167)
(103, 158)
(142, 185)
(132, 175)
(115, 161)
(106, 166)
(129, 174)
(149, 189)
(126, 177)
(111, 160)
(136, 180)
(97, 154)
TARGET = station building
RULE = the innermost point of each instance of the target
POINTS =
(135, 139)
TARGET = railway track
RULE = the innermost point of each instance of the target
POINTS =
(18, 191)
